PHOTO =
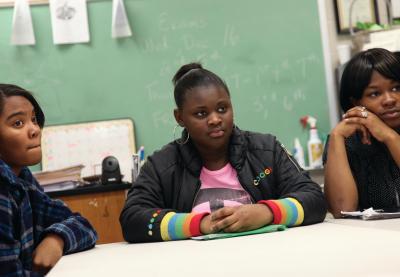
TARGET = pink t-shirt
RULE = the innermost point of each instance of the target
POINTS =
(219, 188)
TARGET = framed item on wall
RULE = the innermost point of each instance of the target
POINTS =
(362, 11)
(395, 5)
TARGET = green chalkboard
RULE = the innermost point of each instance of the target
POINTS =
(268, 52)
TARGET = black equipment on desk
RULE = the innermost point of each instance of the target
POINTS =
(110, 171)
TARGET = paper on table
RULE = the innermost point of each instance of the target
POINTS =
(265, 229)
(370, 214)
(22, 29)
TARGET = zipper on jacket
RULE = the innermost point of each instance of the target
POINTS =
(290, 158)
(197, 192)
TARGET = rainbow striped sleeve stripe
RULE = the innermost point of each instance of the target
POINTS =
(287, 211)
(176, 226)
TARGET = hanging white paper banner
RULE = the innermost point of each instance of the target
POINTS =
(69, 21)
(22, 28)
(120, 24)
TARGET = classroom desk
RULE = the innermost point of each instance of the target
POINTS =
(326, 249)
(384, 224)
(101, 205)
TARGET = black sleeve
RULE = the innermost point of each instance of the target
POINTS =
(144, 207)
(295, 182)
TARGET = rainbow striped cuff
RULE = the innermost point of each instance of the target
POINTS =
(176, 226)
(287, 211)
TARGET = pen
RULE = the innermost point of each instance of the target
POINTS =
(135, 168)
(141, 153)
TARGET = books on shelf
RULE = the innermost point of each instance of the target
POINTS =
(370, 214)
(61, 186)
(60, 179)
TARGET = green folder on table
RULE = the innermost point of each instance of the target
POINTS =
(265, 229)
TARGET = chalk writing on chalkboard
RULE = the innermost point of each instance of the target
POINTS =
(269, 56)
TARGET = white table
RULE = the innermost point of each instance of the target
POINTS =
(384, 224)
(326, 249)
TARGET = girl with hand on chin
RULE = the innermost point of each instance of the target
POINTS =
(363, 152)
(35, 231)
(216, 177)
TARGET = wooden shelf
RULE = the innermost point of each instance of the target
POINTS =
(101, 207)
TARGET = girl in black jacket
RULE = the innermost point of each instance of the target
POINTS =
(363, 154)
(216, 177)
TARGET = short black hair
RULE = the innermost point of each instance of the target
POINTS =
(357, 73)
(193, 75)
(8, 90)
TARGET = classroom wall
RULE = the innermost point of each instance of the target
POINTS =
(332, 40)
(336, 39)
(268, 52)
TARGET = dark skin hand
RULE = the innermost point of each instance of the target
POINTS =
(237, 219)
(48, 253)
(370, 125)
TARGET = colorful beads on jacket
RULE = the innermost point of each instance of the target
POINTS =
(287, 211)
(150, 226)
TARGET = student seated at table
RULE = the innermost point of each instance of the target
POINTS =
(363, 151)
(35, 231)
(216, 177)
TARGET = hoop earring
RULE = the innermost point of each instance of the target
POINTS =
(179, 141)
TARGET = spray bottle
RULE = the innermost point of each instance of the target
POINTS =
(314, 144)
(298, 153)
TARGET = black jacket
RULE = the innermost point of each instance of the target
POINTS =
(169, 181)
